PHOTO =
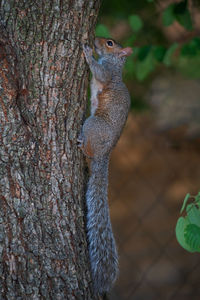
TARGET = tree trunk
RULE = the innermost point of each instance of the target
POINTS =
(43, 80)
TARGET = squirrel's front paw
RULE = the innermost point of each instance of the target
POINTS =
(87, 51)
(80, 142)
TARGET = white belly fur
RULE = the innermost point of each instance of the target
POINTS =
(96, 88)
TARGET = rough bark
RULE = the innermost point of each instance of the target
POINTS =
(43, 80)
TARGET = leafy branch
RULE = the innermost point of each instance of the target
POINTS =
(188, 227)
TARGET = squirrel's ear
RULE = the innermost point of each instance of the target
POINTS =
(125, 52)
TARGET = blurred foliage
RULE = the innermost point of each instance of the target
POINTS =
(146, 22)
(188, 227)
(178, 12)
(152, 51)
(102, 30)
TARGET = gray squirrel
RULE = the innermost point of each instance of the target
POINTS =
(110, 103)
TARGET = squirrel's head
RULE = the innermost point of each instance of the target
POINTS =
(105, 46)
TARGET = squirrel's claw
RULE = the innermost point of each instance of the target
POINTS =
(80, 142)
(87, 50)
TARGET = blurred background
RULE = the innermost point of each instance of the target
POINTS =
(157, 160)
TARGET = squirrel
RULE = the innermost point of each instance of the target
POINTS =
(110, 102)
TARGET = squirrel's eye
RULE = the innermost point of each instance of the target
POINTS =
(110, 43)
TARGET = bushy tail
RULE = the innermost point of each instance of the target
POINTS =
(102, 248)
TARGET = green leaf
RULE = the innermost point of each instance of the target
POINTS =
(196, 40)
(168, 16)
(159, 52)
(168, 55)
(189, 50)
(193, 214)
(135, 22)
(145, 67)
(197, 199)
(180, 231)
(144, 51)
(102, 30)
(187, 197)
(182, 14)
(185, 20)
(192, 236)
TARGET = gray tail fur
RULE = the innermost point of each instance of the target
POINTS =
(102, 248)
